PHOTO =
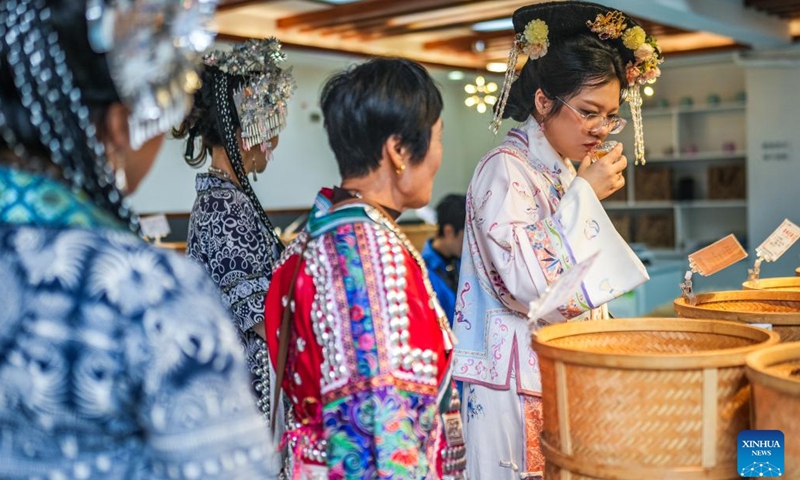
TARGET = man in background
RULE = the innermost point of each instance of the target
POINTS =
(442, 253)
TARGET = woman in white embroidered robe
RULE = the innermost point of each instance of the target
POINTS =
(530, 217)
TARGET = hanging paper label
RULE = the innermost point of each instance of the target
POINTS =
(717, 256)
(559, 292)
(154, 226)
(781, 239)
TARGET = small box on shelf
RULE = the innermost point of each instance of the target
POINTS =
(656, 230)
(653, 184)
(727, 182)
(623, 222)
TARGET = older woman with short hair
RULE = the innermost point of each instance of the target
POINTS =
(353, 325)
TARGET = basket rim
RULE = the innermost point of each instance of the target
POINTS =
(772, 282)
(685, 310)
(731, 357)
(600, 470)
(758, 363)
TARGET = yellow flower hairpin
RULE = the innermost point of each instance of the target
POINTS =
(534, 39)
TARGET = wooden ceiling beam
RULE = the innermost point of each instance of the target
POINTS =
(467, 43)
(650, 27)
(234, 4)
(769, 4)
(365, 11)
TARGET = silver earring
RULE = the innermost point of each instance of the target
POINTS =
(121, 180)
(255, 174)
(120, 177)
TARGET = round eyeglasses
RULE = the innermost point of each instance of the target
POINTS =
(594, 122)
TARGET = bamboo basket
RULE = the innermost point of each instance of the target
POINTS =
(779, 309)
(644, 398)
(783, 284)
(775, 376)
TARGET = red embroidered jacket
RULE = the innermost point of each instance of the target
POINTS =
(369, 352)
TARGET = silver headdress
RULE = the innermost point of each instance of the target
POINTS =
(167, 33)
(261, 100)
(152, 48)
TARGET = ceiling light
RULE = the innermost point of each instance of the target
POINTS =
(494, 25)
(648, 90)
(455, 75)
(496, 67)
(480, 94)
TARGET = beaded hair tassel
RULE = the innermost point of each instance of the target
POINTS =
(511, 75)
(635, 101)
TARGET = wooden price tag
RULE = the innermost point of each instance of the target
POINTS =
(781, 239)
(717, 256)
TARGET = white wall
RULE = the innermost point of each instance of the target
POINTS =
(697, 77)
(773, 114)
(303, 161)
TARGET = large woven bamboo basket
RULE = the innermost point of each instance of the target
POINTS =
(777, 308)
(783, 284)
(648, 398)
(775, 376)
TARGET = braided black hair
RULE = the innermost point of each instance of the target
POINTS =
(49, 79)
(201, 123)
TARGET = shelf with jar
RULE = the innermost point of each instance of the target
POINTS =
(693, 186)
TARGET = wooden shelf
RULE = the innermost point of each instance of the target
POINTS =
(704, 126)
(702, 108)
(670, 204)
(709, 156)
(678, 109)
(655, 205)
(712, 204)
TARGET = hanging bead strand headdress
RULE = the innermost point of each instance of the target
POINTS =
(261, 100)
(259, 104)
(641, 51)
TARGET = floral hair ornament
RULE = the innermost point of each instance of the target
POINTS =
(536, 24)
(152, 49)
(533, 42)
(642, 69)
(261, 101)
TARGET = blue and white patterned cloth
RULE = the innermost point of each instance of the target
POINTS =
(229, 240)
(117, 360)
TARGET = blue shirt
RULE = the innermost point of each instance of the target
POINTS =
(117, 359)
(438, 273)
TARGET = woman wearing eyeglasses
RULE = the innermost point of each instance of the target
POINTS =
(531, 216)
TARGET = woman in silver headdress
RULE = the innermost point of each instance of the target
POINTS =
(531, 217)
(117, 359)
(237, 116)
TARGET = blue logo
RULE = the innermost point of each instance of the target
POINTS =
(760, 453)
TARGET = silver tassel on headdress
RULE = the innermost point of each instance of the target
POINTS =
(635, 101)
(511, 75)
